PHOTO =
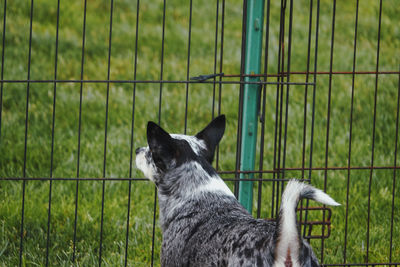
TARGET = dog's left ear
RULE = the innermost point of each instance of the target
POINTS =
(211, 135)
(161, 145)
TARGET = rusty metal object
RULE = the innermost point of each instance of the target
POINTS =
(325, 223)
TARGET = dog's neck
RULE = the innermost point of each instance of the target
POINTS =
(188, 183)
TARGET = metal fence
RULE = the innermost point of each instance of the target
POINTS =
(328, 114)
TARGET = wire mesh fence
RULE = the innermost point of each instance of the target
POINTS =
(80, 79)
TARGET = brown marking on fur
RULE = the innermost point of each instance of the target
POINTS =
(288, 261)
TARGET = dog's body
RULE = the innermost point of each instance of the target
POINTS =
(202, 222)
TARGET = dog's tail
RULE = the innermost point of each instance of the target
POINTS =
(287, 238)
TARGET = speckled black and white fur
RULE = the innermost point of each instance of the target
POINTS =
(202, 222)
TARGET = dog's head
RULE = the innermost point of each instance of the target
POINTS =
(166, 152)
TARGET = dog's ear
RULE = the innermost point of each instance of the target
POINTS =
(161, 145)
(212, 134)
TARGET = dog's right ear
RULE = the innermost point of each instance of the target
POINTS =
(212, 134)
(161, 145)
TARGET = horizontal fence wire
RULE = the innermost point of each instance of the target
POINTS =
(152, 82)
(227, 172)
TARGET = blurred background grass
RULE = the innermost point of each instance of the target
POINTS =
(200, 110)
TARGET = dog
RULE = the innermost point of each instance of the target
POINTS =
(202, 222)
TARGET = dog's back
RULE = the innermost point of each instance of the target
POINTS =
(202, 222)
(213, 229)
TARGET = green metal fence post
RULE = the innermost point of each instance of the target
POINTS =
(251, 96)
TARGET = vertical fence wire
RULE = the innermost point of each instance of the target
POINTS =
(188, 64)
(162, 62)
(289, 53)
(313, 108)
(305, 110)
(79, 132)
(159, 122)
(215, 58)
(105, 134)
(280, 86)
(394, 172)
(26, 136)
(306, 90)
(132, 132)
(2, 62)
(221, 64)
(263, 115)
(350, 134)
(373, 131)
(240, 106)
(279, 104)
(52, 134)
(328, 118)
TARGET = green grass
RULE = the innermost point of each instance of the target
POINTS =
(38, 157)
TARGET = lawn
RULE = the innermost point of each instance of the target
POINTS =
(82, 153)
